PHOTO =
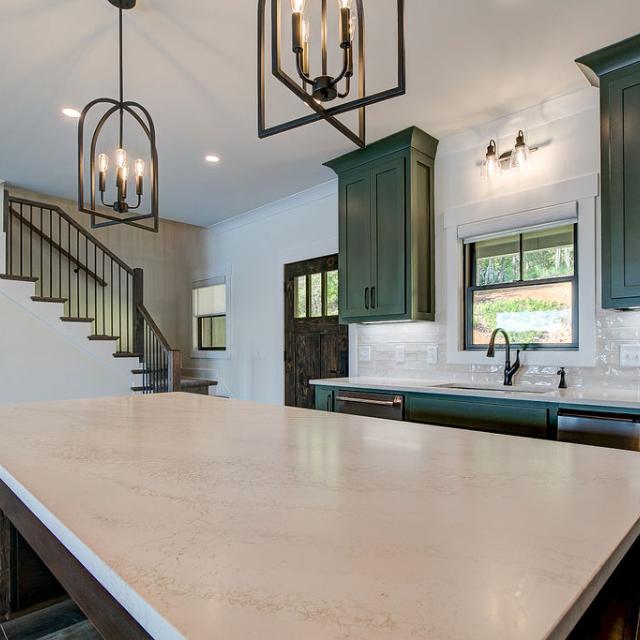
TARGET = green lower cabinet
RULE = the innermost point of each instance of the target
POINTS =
(514, 417)
(324, 399)
(518, 417)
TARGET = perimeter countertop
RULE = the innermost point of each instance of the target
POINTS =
(600, 397)
(212, 518)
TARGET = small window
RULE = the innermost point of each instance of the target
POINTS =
(316, 295)
(527, 284)
(210, 314)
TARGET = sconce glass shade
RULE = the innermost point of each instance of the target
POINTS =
(491, 166)
(520, 154)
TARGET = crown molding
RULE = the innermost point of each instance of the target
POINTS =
(277, 207)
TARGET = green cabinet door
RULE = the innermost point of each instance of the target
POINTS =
(324, 399)
(388, 237)
(616, 70)
(621, 222)
(355, 245)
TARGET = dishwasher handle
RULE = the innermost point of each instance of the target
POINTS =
(396, 402)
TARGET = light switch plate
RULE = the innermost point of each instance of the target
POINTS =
(364, 354)
(400, 354)
(629, 355)
(432, 354)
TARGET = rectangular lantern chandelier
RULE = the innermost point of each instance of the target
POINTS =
(326, 95)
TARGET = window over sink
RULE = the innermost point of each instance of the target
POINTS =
(526, 282)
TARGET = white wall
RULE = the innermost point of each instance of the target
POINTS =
(253, 249)
(38, 363)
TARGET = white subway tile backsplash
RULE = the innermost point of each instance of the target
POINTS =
(419, 342)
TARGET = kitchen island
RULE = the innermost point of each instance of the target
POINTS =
(211, 518)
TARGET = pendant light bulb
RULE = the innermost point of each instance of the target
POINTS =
(121, 158)
(353, 24)
(306, 31)
(139, 168)
(491, 165)
(297, 6)
(520, 153)
(345, 4)
(103, 162)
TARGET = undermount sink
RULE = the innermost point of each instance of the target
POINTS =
(502, 389)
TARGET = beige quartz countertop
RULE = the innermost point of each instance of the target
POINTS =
(621, 398)
(211, 518)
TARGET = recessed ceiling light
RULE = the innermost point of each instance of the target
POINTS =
(71, 113)
(212, 158)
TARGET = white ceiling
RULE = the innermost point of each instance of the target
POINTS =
(193, 65)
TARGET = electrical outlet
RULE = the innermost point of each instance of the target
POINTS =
(364, 354)
(630, 355)
(400, 354)
(432, 354)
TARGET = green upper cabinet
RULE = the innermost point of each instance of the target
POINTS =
(387, 229)
(616, 70)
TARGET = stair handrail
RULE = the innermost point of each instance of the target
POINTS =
(174, 356)
(65, 216)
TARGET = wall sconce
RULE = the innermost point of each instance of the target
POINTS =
(516, 158)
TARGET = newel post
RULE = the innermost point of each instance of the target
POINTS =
(138, 321)
(175, 370)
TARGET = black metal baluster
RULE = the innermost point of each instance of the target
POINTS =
(51, 253)
(30, 241)
(95, 284)
(111, 295)
(41, 274)
(86, 275)
(104, 302)
(60, 256)
(21, 225)
(9, 237)
(78, 272)
(120, 304)
(69, 299)
(128, 319)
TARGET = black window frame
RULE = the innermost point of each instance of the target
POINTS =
(199, 323)
(470, 288)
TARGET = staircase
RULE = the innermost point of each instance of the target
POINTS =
(86, 286)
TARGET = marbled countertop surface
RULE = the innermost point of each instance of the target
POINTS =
(622, 398)
(212, 518)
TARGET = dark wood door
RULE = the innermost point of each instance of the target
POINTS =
(316, 345)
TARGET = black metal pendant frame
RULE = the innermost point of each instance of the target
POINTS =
(320, 112)
(99, 217)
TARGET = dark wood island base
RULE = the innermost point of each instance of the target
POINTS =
(53, 565)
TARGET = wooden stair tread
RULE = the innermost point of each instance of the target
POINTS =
(43, 622)
(103, 337)
(8, 276)
(126, 354)
(147, 387)
(72, 319)
(47, 299)
(148, 371)
(188, 383)
(79, 631)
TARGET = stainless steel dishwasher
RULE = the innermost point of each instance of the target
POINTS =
(374, 405)
(617, 431)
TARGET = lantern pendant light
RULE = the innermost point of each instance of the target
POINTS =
(117, 196)
(323, 93)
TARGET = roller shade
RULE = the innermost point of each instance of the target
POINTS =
(519, 223)
(209, 301)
